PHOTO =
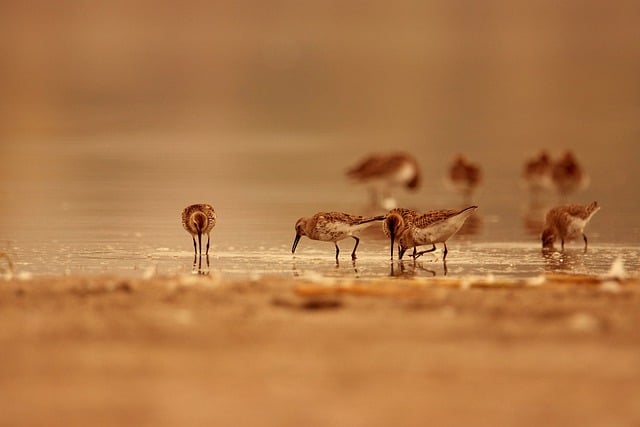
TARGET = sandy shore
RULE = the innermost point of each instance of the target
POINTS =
(291, 352)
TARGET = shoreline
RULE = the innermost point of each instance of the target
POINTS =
(103, 350)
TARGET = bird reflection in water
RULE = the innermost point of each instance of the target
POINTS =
(197, 265)
(336, 269)
(409, 269)
(565, 261)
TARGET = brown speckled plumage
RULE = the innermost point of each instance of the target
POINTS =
(395, 222)
(566, 223)
(199, 219)
(429, 228)
(332, 227)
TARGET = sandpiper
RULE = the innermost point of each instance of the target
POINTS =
(537, 173)
(464, 176)
(429, 228)
(332, 227)
(199, 219)
(567, 222)
(383, 172)
(568, 176)
(396, 221)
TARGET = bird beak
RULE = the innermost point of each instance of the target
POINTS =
(295, 243)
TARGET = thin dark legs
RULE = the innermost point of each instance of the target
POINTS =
(353, 254)
(433, 248)
(195, 245)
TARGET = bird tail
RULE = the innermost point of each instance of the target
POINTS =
(467, 211)
(593, 207)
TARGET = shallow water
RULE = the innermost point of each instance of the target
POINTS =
(96, 205)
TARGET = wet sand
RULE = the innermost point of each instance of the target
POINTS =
(190, 350)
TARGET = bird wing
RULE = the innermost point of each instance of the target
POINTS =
(431, 217)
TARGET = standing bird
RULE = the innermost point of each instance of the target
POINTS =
(567, 222)
(568, 176)
(429, 228)
(537, 173)
(464, 176)
(198, 220)
(384, 172)
(332, 227)
(396, 221)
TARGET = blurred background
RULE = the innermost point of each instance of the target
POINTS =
(115, 115)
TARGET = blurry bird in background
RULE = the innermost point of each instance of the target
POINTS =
(464, 177)
(568, 176)
(383, 173)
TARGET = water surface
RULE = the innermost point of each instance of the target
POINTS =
(111, 205)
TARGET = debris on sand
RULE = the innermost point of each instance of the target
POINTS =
(617, 270)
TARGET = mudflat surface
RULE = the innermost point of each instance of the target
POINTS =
(188, 350)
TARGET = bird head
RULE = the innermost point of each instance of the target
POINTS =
(300, 231)
(548, 238)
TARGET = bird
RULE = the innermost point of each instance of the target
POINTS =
(384, 172)
(429, 228)
(567, 175)
(395, 220)
(464, 176)
(332, 227)
(199, 219)
(567, 222)
(537, 173)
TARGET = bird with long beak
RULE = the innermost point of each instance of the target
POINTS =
(332, 227)
(396, 222)
(199, 219)
(429, 228)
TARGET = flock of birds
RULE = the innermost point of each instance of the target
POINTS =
(410, 229)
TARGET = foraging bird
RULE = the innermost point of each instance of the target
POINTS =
(383, 172)
(395, 221)
(429, 228)
(567, 222)
(332, 227)
(199, 219)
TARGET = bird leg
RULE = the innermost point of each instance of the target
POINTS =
(208, 239)
(401, 252)
(200, 242)
(445, 254)
(584, 236)
(195, 248)
(337, 250)
(353, 254)
(419, 254)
